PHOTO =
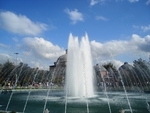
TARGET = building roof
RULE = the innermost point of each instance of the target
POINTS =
(100, 68)
(63, 58)
(126, 66)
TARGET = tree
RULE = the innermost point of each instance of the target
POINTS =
(112, 72)
(142, 69)
(109, 66)
(6, 71)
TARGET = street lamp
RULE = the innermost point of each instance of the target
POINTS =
(16, 69)
(16, 57)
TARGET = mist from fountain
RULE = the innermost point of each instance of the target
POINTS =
(17, 77)
(79, 73)
(29, 92)
(125, 91)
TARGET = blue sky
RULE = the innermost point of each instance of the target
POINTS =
(118, 30)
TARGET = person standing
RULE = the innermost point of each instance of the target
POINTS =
(122, 111)
(46, 111)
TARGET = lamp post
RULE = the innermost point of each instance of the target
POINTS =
(16, 69)
(16, 57)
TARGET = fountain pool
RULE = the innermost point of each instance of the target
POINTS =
(56, 102)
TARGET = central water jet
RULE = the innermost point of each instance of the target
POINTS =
(79, 73)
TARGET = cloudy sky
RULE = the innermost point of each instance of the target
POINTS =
(118, 30)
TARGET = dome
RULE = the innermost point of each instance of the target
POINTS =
(61, 61)
(63, 58)
(126, 66)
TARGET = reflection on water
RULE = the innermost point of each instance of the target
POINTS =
(56, 102)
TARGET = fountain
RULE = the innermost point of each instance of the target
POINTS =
(79, 73)
(124, 91)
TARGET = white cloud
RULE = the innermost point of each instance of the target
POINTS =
(101, 18)
(40, 52)
(133, 1)
(135, 47)
(5, 57)
(143, 28)
(35, 51)
(20, 24)
(148, 2)
(94, 2)
(75, 16)
(42, 48)
(108, 49)
(3, 46)
(15, 39)
(118, 0)
(37, 64)
(136, 27)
